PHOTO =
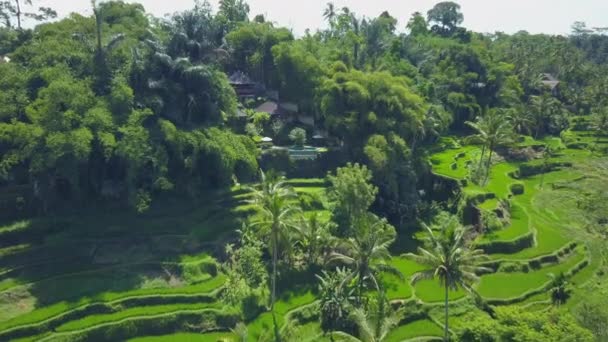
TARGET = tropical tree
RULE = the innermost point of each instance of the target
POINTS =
(367, 254)
(450, 258)
(546, 112)
(313, 235)
(196, 35)
(446, 16)
(330, 13)
(16, 9)
(375, 324)
(231, 13)
(103, 74)
(187, 93)
(298, 136)
(493, 129)
(336, 298)
(560, 292)
(273, 198)
(599, 123)
(352, 193)
(417, 25)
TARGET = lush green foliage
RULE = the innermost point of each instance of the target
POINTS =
(119, 114)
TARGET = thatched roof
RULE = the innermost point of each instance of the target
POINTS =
(549, 80)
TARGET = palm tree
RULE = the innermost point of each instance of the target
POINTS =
(543, 108)
(374, 326)
(493, 129)
(185, 92)
(274, 200)
(195, 35)
(312, 235)
(449, 258)
(367, 253)
(103, 75)
(330, 13)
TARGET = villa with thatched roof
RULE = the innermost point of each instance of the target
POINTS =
(243, 85)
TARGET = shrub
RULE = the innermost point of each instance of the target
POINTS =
(253, 303)
(204, 320)
(197, 271)
(568, 137)
(276, 159)
(310, 201)
(517, 189)
(508, 247)
(510, 267)
(532, 169)
(298, 136)
(578, 145)
(490, 221)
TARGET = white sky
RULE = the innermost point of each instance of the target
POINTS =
(535, 16)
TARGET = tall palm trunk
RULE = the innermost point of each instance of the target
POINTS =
(446, 327)
(18, 5)
(360, 288)
(489, 163)
(483, 153)
(274, 266)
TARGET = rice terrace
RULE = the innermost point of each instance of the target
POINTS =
(211, 175)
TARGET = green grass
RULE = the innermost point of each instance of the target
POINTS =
(397, 288)
(509, 285)
(15, 226)
(430, 291)
(189, 337)
(309, 332)
(442, 162)
(51, 311)
(519, 226)
(94, 320)
(423, 327)
(286, 303)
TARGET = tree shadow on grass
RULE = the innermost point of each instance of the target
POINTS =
(111, 251)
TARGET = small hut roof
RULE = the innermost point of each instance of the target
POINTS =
(549, 80)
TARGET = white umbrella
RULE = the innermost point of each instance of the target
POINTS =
(266, 139)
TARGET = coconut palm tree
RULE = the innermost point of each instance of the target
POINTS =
(376, 324)
(367, 254)
(330, 13)
(195, 35)
(187, 93)
(312, 235)
(273, 198)
(542, 108)
(449, 258)
(103, 74)
(493, 129)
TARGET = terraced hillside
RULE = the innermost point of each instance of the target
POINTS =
(157, 275)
